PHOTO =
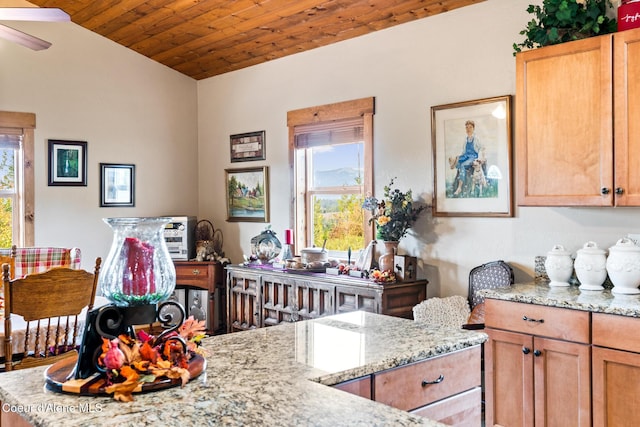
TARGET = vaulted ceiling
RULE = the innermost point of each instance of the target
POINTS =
(204, 38)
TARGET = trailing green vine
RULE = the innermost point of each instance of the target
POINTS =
(559, 21)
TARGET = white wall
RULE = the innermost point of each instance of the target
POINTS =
(460, 55)
(128, 108)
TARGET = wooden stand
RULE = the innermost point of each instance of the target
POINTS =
(209, 276)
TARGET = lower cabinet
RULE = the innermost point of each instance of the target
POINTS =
(616, 370)
(537, 365)
(262, 297)
(445, 388)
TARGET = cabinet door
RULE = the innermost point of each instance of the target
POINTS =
(243, 301)
(509, 379)
(562, 381)
(352, 298)
(626, 112)
(616, 387)
(564, 126)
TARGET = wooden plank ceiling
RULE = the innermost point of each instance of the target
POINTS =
(204, 38)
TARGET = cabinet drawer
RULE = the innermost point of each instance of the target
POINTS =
(196, 275)
(464, 409)
(360, 387)
(418, 384)
(552, 322)
(614, 331)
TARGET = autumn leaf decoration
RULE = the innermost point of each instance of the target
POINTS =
(130, 362)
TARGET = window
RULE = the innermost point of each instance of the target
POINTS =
(331, 159)
(16, 179)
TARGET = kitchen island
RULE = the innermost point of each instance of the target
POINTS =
(276, 376)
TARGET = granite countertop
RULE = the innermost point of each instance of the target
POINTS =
(275, 376)
(539, 292)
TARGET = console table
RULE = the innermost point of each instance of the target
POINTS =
(263, 296)
(209, 276)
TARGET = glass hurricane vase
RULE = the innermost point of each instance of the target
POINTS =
(138, 269)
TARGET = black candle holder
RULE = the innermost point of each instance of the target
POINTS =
(111, 321)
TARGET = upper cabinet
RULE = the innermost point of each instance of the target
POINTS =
(578, 123)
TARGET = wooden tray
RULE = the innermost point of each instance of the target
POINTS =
(56, 374)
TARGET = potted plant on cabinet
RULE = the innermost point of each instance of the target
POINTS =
(559, 21)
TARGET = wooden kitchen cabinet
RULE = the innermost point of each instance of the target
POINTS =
(569, 99)
(616, 370)
(260, 297)
(537, 365)
(207, 276)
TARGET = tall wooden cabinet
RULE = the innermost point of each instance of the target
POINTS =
(569, 99)
(537, 365)
(263, 297)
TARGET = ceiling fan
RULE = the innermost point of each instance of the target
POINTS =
(29, 14)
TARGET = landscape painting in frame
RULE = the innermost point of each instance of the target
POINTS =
(247, 194)
(472, 158)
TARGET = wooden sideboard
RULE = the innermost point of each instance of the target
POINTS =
(209, 276)
(261, 296)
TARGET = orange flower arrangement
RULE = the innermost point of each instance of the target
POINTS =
(129, 362)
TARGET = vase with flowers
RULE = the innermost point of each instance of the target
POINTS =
(394, 215)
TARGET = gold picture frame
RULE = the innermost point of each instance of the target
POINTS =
(472, 158)
(247, 191)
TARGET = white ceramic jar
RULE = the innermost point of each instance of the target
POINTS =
(559, 266)
(591, 267)
(623, 266)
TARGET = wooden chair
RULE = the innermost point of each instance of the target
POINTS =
(50, 303)
(8, 256)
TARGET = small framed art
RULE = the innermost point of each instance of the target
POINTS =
(247, 194)
(117, 185)
(248, 146)
(67, 163)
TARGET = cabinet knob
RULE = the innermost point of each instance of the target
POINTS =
(436, 381)
(537, 353)
(526, 350)
(195, 271)
(619, 190)
(604, 190)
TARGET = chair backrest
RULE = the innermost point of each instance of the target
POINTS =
(492, 275)
(450, 311)
(39, 259)
(8, 256)
(49, 304)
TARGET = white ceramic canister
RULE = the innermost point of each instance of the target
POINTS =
(559, 266)
(591, 267)
(623, 266)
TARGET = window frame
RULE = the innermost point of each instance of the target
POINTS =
(23, 124)
(361, 109)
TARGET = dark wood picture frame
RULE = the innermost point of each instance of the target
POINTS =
(248, 146)
(117, 185)
(67, 163)
(247, 191)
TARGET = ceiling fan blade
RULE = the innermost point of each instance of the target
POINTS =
(23, 39)
(49, 14)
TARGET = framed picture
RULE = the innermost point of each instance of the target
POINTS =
(67, 162)
(247, 146)
(472, 158)
(248, 194)
(198, 305)
(117, 185)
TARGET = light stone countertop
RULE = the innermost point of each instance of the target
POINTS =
(540, 293)
(275, 376)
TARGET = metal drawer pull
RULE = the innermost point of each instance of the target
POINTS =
(528, 319)
(195, 271)
(436, 381)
